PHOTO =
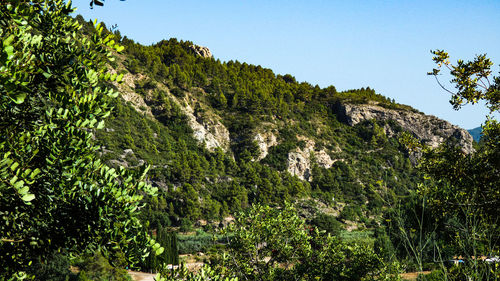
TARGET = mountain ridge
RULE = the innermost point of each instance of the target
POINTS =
(476, 133)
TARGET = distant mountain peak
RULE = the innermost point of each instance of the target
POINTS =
(476, 133)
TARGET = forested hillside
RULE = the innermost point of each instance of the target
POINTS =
(223, 135)
(116, 156)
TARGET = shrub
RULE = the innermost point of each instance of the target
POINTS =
(177, 92)
(97, 268)
(186, 225)
(55, 269)
(327, 223)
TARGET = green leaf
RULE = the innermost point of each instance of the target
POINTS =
(8, 40)
(19, 98)
(13, 180)
(28, 197)
(159, 251)
(26, 172)
(10, 52)
(14, 166)
(113, 94)
(18, 185)
(100, 125)
(120, 48)
(24, 190)
(34, 173)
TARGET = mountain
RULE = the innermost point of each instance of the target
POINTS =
(222, 135)
(476, 133)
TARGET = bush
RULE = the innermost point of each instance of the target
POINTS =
(350, 212)
(55, 269)
(97, 268)
(327, 223)
(177, 92)
(383, 245)
(186, 225)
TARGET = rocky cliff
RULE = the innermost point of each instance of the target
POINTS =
(429, 129)
(300, 160)
(265, 140)
(207, 129)
(177, 109)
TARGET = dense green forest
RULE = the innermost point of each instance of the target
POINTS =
(102, 168)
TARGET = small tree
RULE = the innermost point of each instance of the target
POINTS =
(264, 238)
(275, 244)
(168, 240)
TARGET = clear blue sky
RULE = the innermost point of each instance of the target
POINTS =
(349, 44)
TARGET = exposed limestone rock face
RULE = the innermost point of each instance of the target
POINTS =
(299, 165)
(299, 160)
(209, 131)
(265, 141)
(323, 159)
(430, 129)
(127, 90)
(206, 130)
(201, 51)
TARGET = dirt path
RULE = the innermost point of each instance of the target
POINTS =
(413, 275)
(141, 276)
(144, 276)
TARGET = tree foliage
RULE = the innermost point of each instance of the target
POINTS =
(54, 192)
(461, 206)
(168, 240)
(472, 80)
(275, 244)
(468, 180)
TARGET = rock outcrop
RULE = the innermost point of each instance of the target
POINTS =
(207, 128)
(127, 90)
(209, 131)
(323, 159)
(265, 140)
(429, 129)
(201, 51)
(299, 160)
